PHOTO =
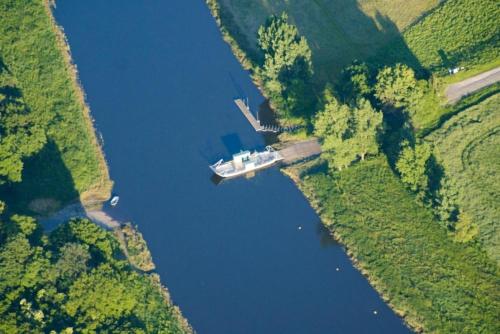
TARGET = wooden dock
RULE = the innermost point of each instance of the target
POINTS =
(300, 151)
(248, 114)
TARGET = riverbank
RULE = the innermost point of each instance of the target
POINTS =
(71, 166)
(132, 245)
(101, 190)
(434, 283)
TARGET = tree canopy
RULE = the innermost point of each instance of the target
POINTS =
(397, 87)
(68, 282)
(287, 67)
(413, 166)
(347, 132)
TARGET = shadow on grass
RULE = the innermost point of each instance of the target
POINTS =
(338, 32)
(46, 186)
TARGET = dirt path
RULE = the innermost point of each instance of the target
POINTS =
(300, 150)
(460, 89)
(78, 211)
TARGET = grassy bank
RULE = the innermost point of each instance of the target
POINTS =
(467, 146)
(438, 285)
(34, 51)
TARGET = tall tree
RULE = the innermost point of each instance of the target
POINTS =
(355, 82)
(347, 132)
(368, 123)
(397, 87)
(333, 126)
(287, 67)
(412, 165)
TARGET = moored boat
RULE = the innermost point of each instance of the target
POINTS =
(245, 162)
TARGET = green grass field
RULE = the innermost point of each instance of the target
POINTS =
(456, 33)
(34, 54)
(439, 285)
(338, 31)
(468, 147)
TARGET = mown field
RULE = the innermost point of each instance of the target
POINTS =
(71, 164)
(439, 285)
(468, 148)
(456, 33)
(338, 31)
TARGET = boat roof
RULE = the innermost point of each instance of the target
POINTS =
(242, 153)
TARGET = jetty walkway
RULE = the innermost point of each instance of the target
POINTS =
(248, 114)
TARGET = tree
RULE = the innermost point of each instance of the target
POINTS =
(283, 47)
(412, 166)
(110, 298)
(397, 87)
(287, 67)
(333, 126)
(347, 132)
(355, 82)
(368, 123)
(72, 261)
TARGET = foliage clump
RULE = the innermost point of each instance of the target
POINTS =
(72, 281)
(413, 166)
(287, 68)
(34, 53)
(397, 87)
(347, 133)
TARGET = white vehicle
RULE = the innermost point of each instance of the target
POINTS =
(245, 162)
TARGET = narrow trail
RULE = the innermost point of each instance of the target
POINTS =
(460, 89)
(77, 210)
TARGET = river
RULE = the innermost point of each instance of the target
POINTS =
(160, 83)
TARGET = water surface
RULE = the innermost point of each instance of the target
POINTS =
(160, 83)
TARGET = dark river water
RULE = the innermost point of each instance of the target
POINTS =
(160, 82)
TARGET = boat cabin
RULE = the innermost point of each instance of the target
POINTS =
(239, 159)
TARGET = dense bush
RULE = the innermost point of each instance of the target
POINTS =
(439, 285)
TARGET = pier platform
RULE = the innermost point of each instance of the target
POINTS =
(248, 114)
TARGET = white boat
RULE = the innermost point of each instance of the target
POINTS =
(114, 200)
(245, 162)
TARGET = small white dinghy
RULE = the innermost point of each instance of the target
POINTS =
(114, 200)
